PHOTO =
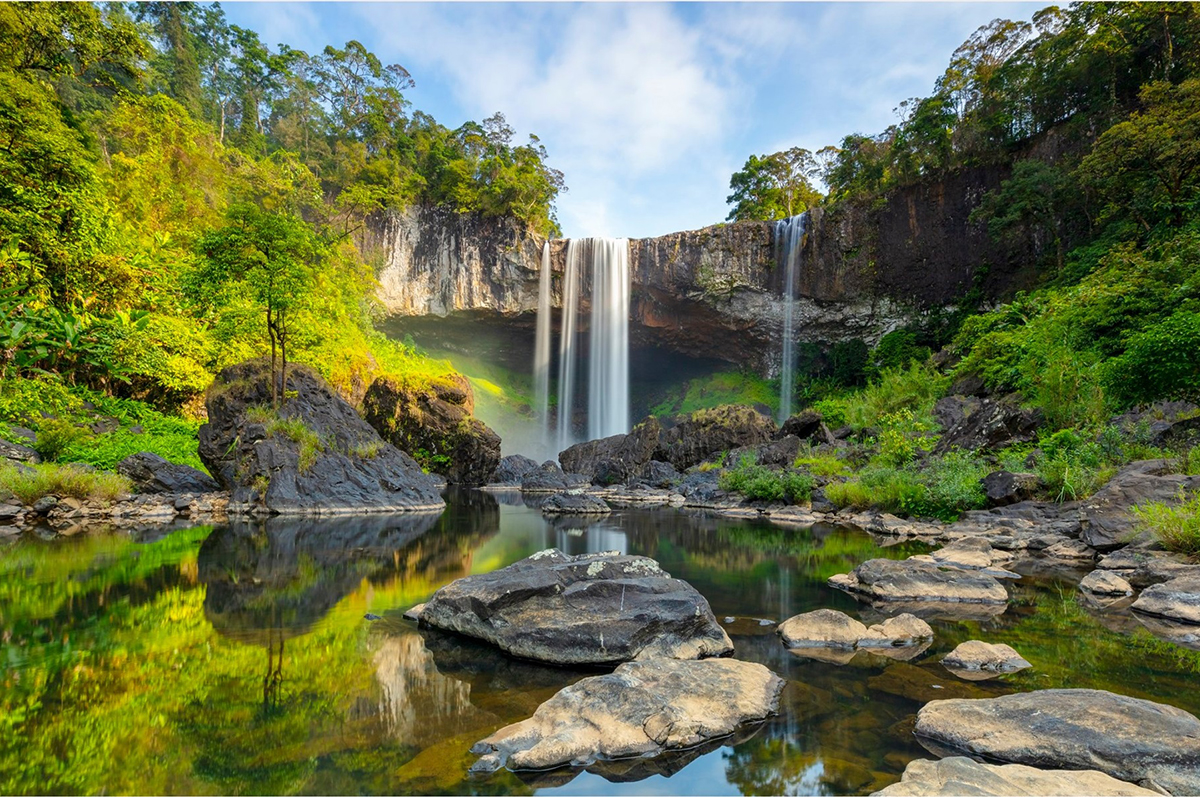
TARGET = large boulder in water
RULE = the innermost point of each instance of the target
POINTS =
(960, 775)
(432, 422)
(916, 581)
(601, 608)
(512, 470)
(704, 433)
(314, 456)
(1131, 739)
(614, 459)
(643, 708)
(150, 473)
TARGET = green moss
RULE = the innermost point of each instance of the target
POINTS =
(724, 387)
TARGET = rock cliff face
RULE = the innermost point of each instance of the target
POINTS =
(717, 292)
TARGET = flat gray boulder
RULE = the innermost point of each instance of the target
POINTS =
(1177, 599)
(1133, 740)
(828, 628)
(642, 708)
(959, 775)
(574, 502)
(1105, 582)
(975, 657)
(595, 609)
(913, 580)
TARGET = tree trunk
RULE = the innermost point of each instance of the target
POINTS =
(274, 384)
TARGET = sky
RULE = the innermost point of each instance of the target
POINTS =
(649, 108)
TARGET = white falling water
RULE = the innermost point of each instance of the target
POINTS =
(606, 261)
(789, 243)
(608, 375)
(541, 349)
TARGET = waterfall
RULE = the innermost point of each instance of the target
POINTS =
(606, 262)
(789, 243)
(541, 349)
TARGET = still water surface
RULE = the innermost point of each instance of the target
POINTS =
(239, 659)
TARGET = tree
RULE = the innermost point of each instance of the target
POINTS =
(272, 255)
(1033, 203)
(1149, 164)
(774, 186)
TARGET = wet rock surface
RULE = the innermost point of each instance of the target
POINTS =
(1177, 599)
(1106, 518)
(574, 503)
(150, 473)
(978, 656)
(642, 708)
(909, 580)
(434, 422)
(613, 459)
(1134, 740)
(512, 469)
(588, 609)
(548, 478)
(958, 775)
(352, 470)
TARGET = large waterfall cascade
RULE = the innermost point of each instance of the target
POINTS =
(605, 262)
(789, 243)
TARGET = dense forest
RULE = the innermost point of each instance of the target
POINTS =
(176, 195)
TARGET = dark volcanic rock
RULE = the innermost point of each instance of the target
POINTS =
(612, 460)
(1003, 488)
(659, 474)
(779, 453)
(150, 473)
(909, 580)
(433, 423)
(14, 452)
(574, 503)
(993, 424)
(1131, 739)
(1106, 518)
(641, 709)
(705, 433)
(587, 609)
(546, 478)
(512, 470)
(351, 468)
(803, 425)
(953, 410)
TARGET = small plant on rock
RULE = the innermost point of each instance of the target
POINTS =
(1175, 525)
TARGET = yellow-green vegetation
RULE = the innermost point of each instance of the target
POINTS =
(760, 483)
(31, 482)
(942, 488)
(1174, 524)
(822, 463)
(724, 387)
(309, 442)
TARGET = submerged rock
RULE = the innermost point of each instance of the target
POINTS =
(1177, 599)
(909, 580)
(433, 422)
(977, 656)
(150, 473)
(316, 456)
(1133, 740)
(959, 775)
(1104, 582)
(642, 708)
(574, 503)
(589, 609)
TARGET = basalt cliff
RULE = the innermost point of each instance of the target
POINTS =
(717, 292)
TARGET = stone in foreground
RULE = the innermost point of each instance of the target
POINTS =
(1134, 740)
(911, 580)
(642, 708)
(602, 608)
(975, 656)
(959, 775)
(1177, 599)
(1104, 582)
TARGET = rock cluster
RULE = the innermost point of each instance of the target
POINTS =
(830, 628)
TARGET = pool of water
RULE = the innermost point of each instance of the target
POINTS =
(240, 658)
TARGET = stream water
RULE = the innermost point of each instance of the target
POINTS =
(244, 658)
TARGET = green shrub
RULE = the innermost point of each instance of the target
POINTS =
(822, 464)
(833, 411)
(55, 436)
(29, 483)
(1159, 362)
(902, 436)
(1176, 526)
(896, 350)
(760, 483)
(915, 388)
(954, 483)
(848, 494)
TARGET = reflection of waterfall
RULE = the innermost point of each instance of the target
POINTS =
(420, 703)
(606, 262)
(789, 243)
(541, 349)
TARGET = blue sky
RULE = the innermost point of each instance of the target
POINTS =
(648, 108)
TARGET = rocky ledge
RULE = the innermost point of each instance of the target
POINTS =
(590, 609)
(642, 708)
(958, 775)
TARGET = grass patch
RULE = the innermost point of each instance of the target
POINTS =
(723, 387)
(822, 464)
(760, 483)
(29, 483)
(943, 488)
(914, 389)
(1175, 526)
(294, 429)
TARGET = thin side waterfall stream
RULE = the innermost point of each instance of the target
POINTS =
(789, 243)
(541, 348)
